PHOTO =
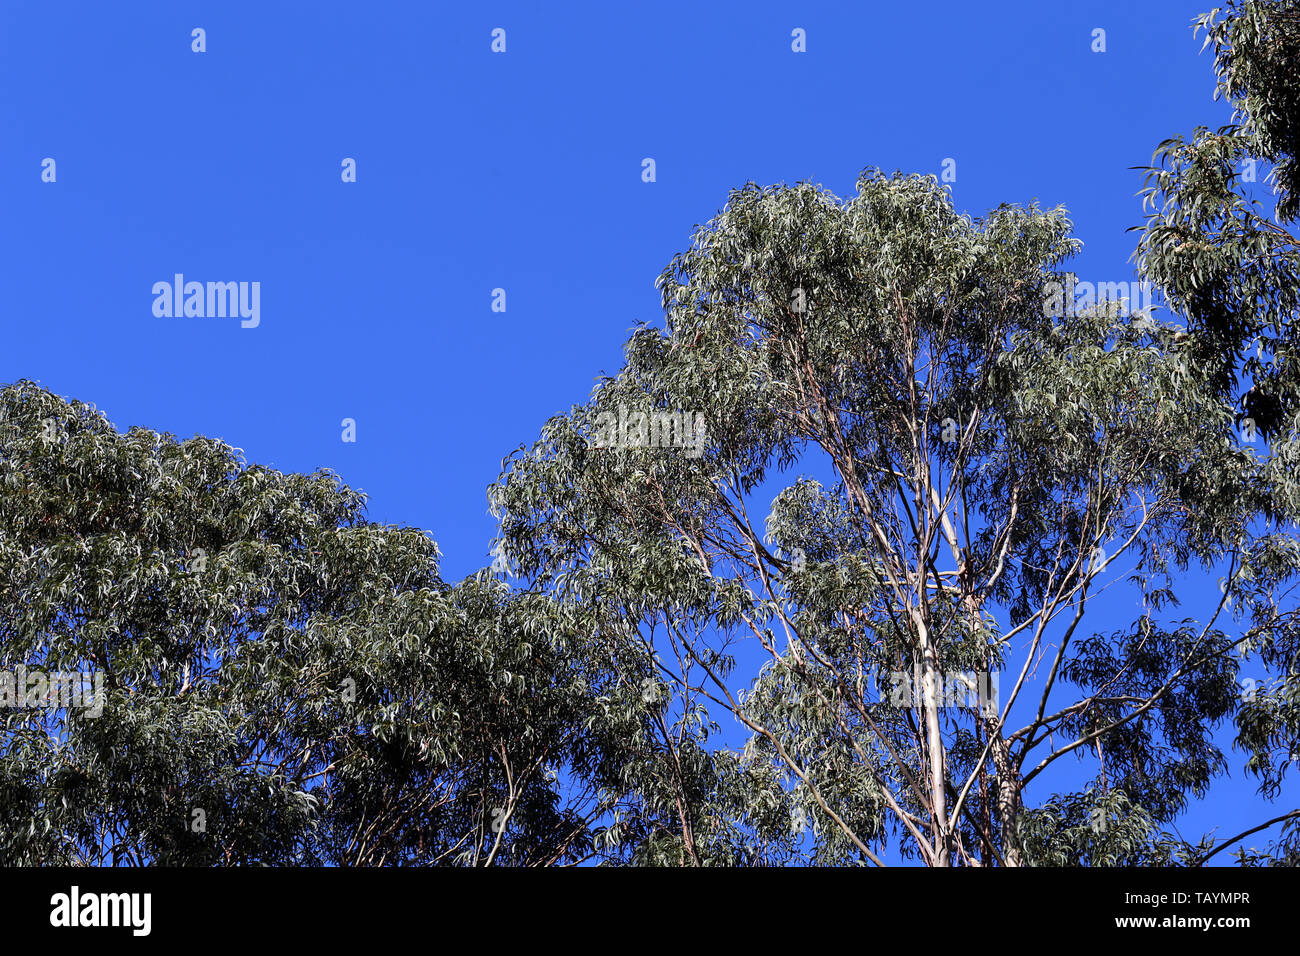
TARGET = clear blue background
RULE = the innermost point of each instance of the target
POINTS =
(521, 171)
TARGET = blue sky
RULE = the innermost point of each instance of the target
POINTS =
(519, 171)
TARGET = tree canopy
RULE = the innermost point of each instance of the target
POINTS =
(976, 473)
(871, 551)
(283, 681)
(1210, 243)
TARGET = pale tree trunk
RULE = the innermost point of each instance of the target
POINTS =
(1008, 807)
(931, 683)
(1008, 794)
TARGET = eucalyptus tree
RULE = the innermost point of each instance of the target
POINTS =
(957, 475)
(278, 680)
(1225, 254)
(1224, 260)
